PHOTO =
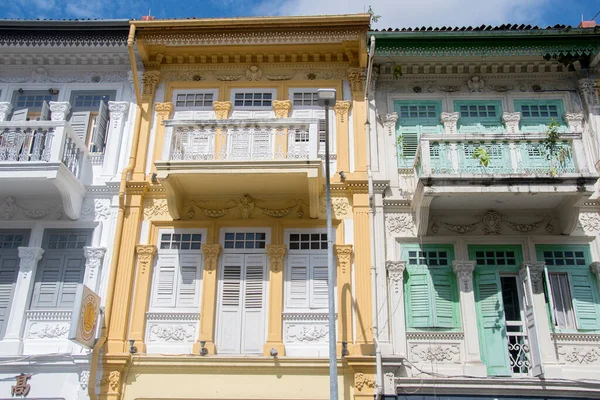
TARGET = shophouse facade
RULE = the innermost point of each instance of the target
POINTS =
(220, 289)
(485, 148)
(65, 96)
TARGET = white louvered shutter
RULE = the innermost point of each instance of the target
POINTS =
(9, 267)
(535, 350)
(72, 277)
(230, 311)
(46, 289)
(20, 115)
(298, 284)
(190, 268)
(164, 281)
(99, 135)
(79, 122)
(253, 324)
(319, 295)
(45, 114)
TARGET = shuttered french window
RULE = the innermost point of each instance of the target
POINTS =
(10, 241)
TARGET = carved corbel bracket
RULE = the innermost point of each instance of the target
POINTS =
(164, 110)
(389, 122)
(282, 108)
(450, 120)
(145, 254)
(222, 109)
(211, 256)
(276, 252)
(464, 272)
(59, 110)
(536, 272)
(343, 253)
(395, 273)
(575, 121)
(511, 120)
(342, 108)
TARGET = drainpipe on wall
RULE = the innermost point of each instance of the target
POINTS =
(378, 361)
(120, 220)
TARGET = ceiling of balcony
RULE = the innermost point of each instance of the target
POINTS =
(505, 201)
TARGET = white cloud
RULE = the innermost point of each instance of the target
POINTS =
(413, 13)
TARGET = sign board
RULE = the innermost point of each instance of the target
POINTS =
(85, 317)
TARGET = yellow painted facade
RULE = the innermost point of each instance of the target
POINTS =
(224, 55)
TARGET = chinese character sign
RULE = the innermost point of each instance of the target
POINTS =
(22, 387)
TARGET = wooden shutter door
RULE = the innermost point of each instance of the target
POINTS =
(585, 303)
(320, 287)
(253, 323)
(189, 280)
(20, 115)
(418, 304)
(444, 298)
(229, 327)
(101, 128)
(72, 276)
(47, 284)
(535, 351)
(492, 326)
(79, 122)
(164, 281)
(297, 295)
(9, 267)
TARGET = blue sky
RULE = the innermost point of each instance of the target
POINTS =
(394, 13)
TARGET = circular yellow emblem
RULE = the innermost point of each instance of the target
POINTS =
(88, 323)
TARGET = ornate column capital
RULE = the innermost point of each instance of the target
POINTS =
(59, 110)
(282, 108)
(111, 382)
(150, 80)
(276, 252)
(29, 258)
(588, 87)
(145, 254)
(389, 122)
(93, 259)
(595, 267)
(450, 119)
(343, 253)
(575, 121)
(5, 109)
(341, 108)
(511, 120)
(464, 272)
(211, 256)
(356, 76)
(536, 271)
(222, 109)
(164, 110)
(395, 273)
(117, 109)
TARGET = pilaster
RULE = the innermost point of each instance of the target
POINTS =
(163, 111)
(395, 276)
(209, 298)
(464, 273)
(94, 256)
(141, 296)
(13, 338)
(356, 76)
(343, 254)
(362, 274)
(150, 81)
(342, 109)
(5, 110)
(59, 110)
(276, 253)
(118, 113)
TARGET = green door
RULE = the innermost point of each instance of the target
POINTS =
(490, 262)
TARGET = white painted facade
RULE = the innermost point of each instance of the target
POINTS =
(463, 211)
(66, 116)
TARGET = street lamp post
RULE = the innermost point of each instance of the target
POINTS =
(326, 98)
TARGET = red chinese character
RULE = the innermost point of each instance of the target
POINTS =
(22, 387)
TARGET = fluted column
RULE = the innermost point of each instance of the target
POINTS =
(209, 298)
(362, 275)
(118, 111)
(356, 76)
(276, 254)
(141, 296)
(395, 276)
(13, 338)
(342, 109)
(163, 111)
(150, 80)
(468, 312)
(222, 110)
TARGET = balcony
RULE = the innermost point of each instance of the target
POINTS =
(278, 157)
(39, 159)
(502, 171)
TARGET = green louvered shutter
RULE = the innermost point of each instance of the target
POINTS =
(444, 298)
(585, 304)
(415, 118)
(492, 326)
(419, 305)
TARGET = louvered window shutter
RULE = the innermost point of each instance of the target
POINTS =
(537, 367)
(189, 280)
(48, 282)
(20, 115)
(45, 114)
(254, 291)
(72, 277)
(418, 300)
(299, 265)
(79, 122)
(584, 292)
(444, 298)
(319, 296)
(9, 267)
(99, 136)
(164, 280)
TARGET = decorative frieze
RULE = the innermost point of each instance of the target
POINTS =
(450, 120)
(437, 353)
(59, 110)
(47, 324)
(579, 355)
(222, 109)
(211, 256)
(5, 110)
(10, 208)
(342, 108)
(93, 260)
(464, 273)
(282, 108)
(590, 222)
(307, 334)
(276, 252)
(29, 258)
(247, 206)
(395, 273)
(511, 121)
(389, 122)
(491, 224)
(95, 209)
(400, 224)
(156, 209)
(343, 253)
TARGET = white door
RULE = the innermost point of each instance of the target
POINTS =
(242, 303)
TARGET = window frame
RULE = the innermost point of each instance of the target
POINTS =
(266, 231)
(474, 124)
(214, 92)
(111, 93)
(233, 92)
(540, 121)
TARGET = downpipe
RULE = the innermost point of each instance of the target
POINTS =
(375, 323)
(120, 221)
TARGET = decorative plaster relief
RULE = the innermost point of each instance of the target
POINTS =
(389, 122)
(343, 253)
(400, 224)
(59, 110)
(395, 271)
(38, 330)
(425, 352)
(450, 119)
(171, 333)
(246, 206)
(578, 355)
(276, 252)
(93, 260)
(301, 333)
(84, 379)
(491, 224)
(95, 209)
(363, 381)
(11, 208)
(156, 209)
(282, 108)
(254, 73)
(475, 84)
(590, 222)
(29, 258)
(511, 121)
(342, 108)
(575, 121)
